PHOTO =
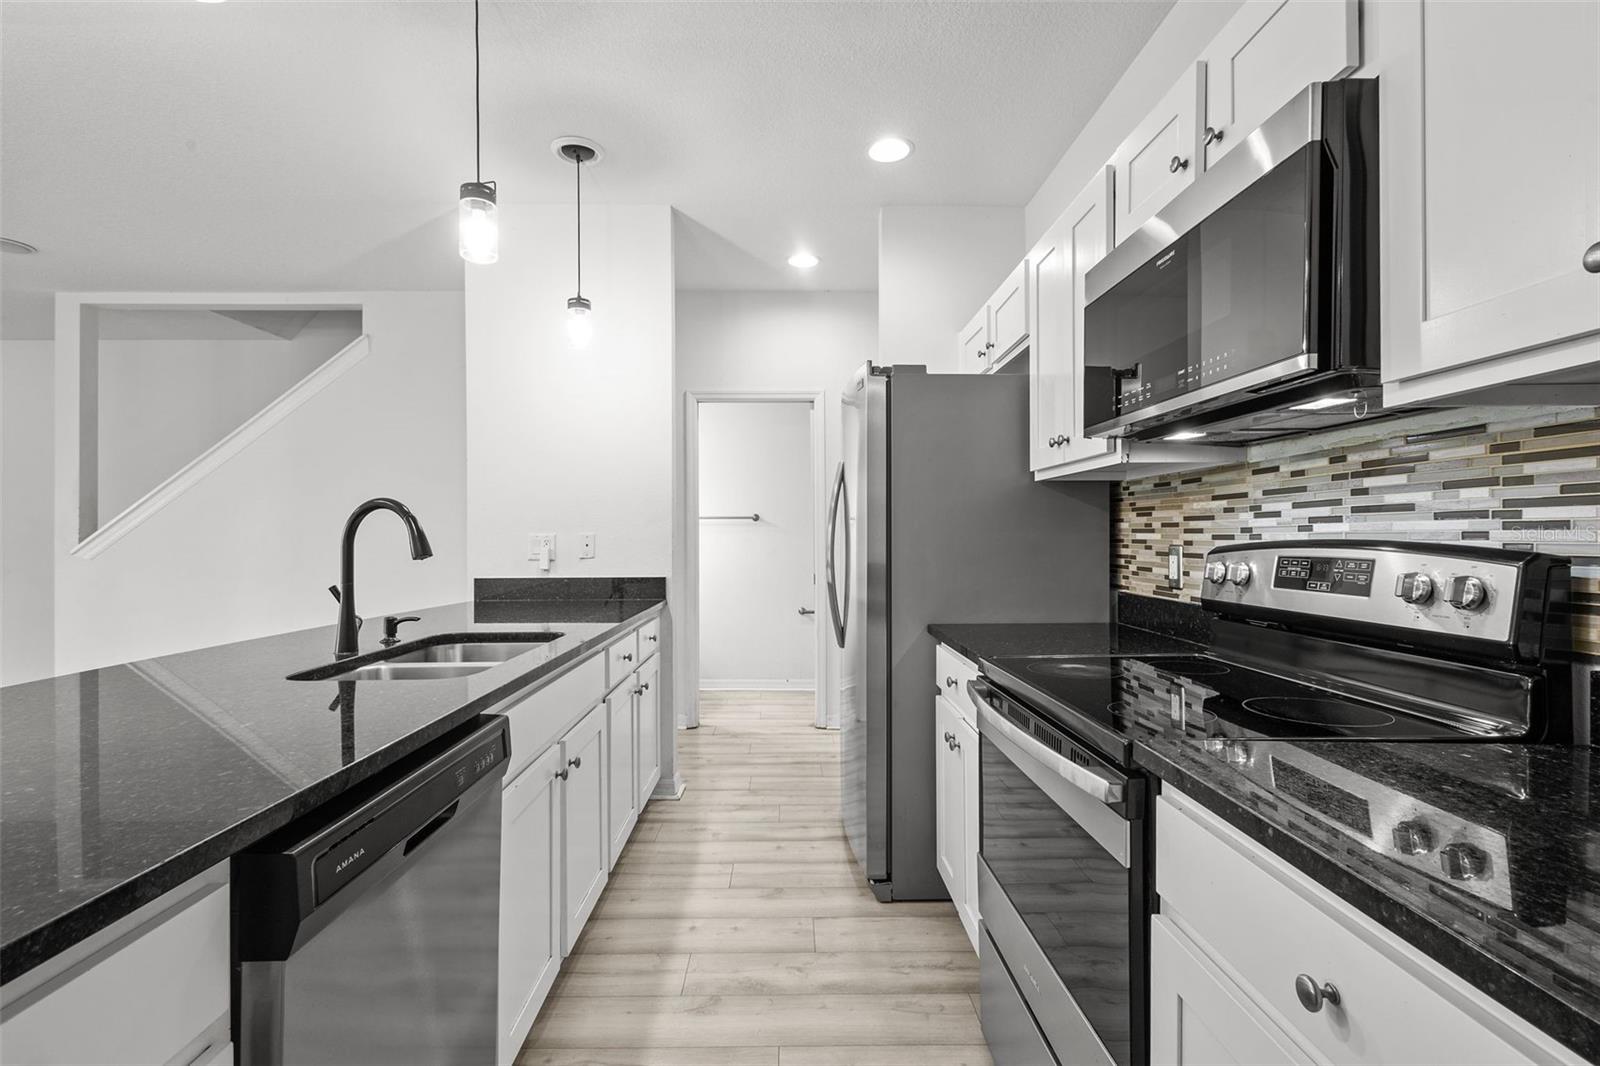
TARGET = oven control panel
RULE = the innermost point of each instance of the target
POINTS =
(1404, 588)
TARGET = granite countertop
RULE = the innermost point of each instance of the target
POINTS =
(1539, 957)
(121, 783)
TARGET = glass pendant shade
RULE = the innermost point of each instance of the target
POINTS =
(480, 223)
(580, 322)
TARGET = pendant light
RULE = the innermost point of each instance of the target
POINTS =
(580, 312)
(479, 215)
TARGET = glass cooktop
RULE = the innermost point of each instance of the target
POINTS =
(1208, 696)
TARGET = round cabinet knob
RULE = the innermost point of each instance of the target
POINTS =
(563, 773)
(1239, 574)
(1414, 588)
(1464, 862)
(1591, 258)
(1467, 593)
(576, 762)
(1213, 135)
(949, 682)
(627, 656)
(1178, 164)
(1413, 838)
(1312, 996)
(1216, 572)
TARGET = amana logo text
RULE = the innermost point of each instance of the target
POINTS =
(346, 862)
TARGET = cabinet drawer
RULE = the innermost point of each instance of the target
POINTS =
(649, 639)
(952, 672)
(538, 720)
(146, 1000)
(622, 659)
(1266, 923)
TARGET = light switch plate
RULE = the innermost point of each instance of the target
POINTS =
(586, 545)
(1175, 567)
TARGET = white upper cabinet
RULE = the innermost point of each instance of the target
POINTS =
(1056, 267)
(1490, 128)
(1008, 315)
(1264, 56)
(1157, 160)
(972, 344)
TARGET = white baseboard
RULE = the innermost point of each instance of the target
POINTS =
(744, 684)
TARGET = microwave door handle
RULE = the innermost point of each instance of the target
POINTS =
(1108, 790)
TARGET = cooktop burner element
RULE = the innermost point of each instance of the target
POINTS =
(1195, 667)
(1320, 710)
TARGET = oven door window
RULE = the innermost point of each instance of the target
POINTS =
(1073, 895)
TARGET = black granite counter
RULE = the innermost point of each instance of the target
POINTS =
(121, 783)
(1536, 952)
(998, 639)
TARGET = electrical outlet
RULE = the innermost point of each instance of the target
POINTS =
(1175, 567)
(586, 545)
(544, 541)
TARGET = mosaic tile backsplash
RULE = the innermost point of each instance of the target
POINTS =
(1517, 477)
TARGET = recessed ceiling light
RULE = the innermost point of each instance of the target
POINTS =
(1323, 402)
(1185, 434)
(16, 247)
(889, 150)
(803, 260)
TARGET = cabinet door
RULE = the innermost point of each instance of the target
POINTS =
(647, 728)
(622, 778)
(530, 897)
(1157, 161)
(1079, 239)
(1198, 1016)
(583, 823)
(1008, 314)
(949, 817)
(1490, 184)
(1264, 56)
(967, 749)
(972, 344)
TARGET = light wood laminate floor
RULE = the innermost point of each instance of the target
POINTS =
(736, 929)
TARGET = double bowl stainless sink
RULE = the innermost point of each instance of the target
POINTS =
(431, 659)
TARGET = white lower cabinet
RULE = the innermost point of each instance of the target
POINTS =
(956, 791)
(622, 782)
(1198, 1016)
(155, 993)
(584, 836)
(1239, 929)
(530, 897)
(647, 730)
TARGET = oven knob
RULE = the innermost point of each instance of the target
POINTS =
(1464, 862)
(1413, 838)
(1467, 593)
(1414, 588)
(1239, 574)
(1216, 572)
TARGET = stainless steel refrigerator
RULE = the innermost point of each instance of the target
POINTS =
(934, 516)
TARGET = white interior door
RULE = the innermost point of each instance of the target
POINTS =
(760, 600)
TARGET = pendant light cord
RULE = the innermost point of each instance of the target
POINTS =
(577, 163)
(477, 96)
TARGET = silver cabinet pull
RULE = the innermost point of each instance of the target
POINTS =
(563, 773)
(576, 762)
(1591, 258)
(1178, 164)
(627, 656)
(950, 682)
(1312, 996)
(1213, 135)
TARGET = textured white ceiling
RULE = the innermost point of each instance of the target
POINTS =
(275, 144)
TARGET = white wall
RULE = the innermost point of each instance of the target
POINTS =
(936, 266)
(251, 549)
(27, 597)
(771, 342)
(755, 458)
(569, 442)
(1177, 42)
(164, 402)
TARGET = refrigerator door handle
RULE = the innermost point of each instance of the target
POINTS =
(838, 615)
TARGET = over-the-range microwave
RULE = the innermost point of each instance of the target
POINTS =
(1247, 308)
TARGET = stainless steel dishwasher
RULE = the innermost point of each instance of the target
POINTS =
(370, 935)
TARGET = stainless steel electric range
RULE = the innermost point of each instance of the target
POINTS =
(1315, 641)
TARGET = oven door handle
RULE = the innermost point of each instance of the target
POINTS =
(1110, 791)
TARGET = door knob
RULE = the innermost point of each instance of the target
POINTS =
(805, 611)
(1591, 258)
